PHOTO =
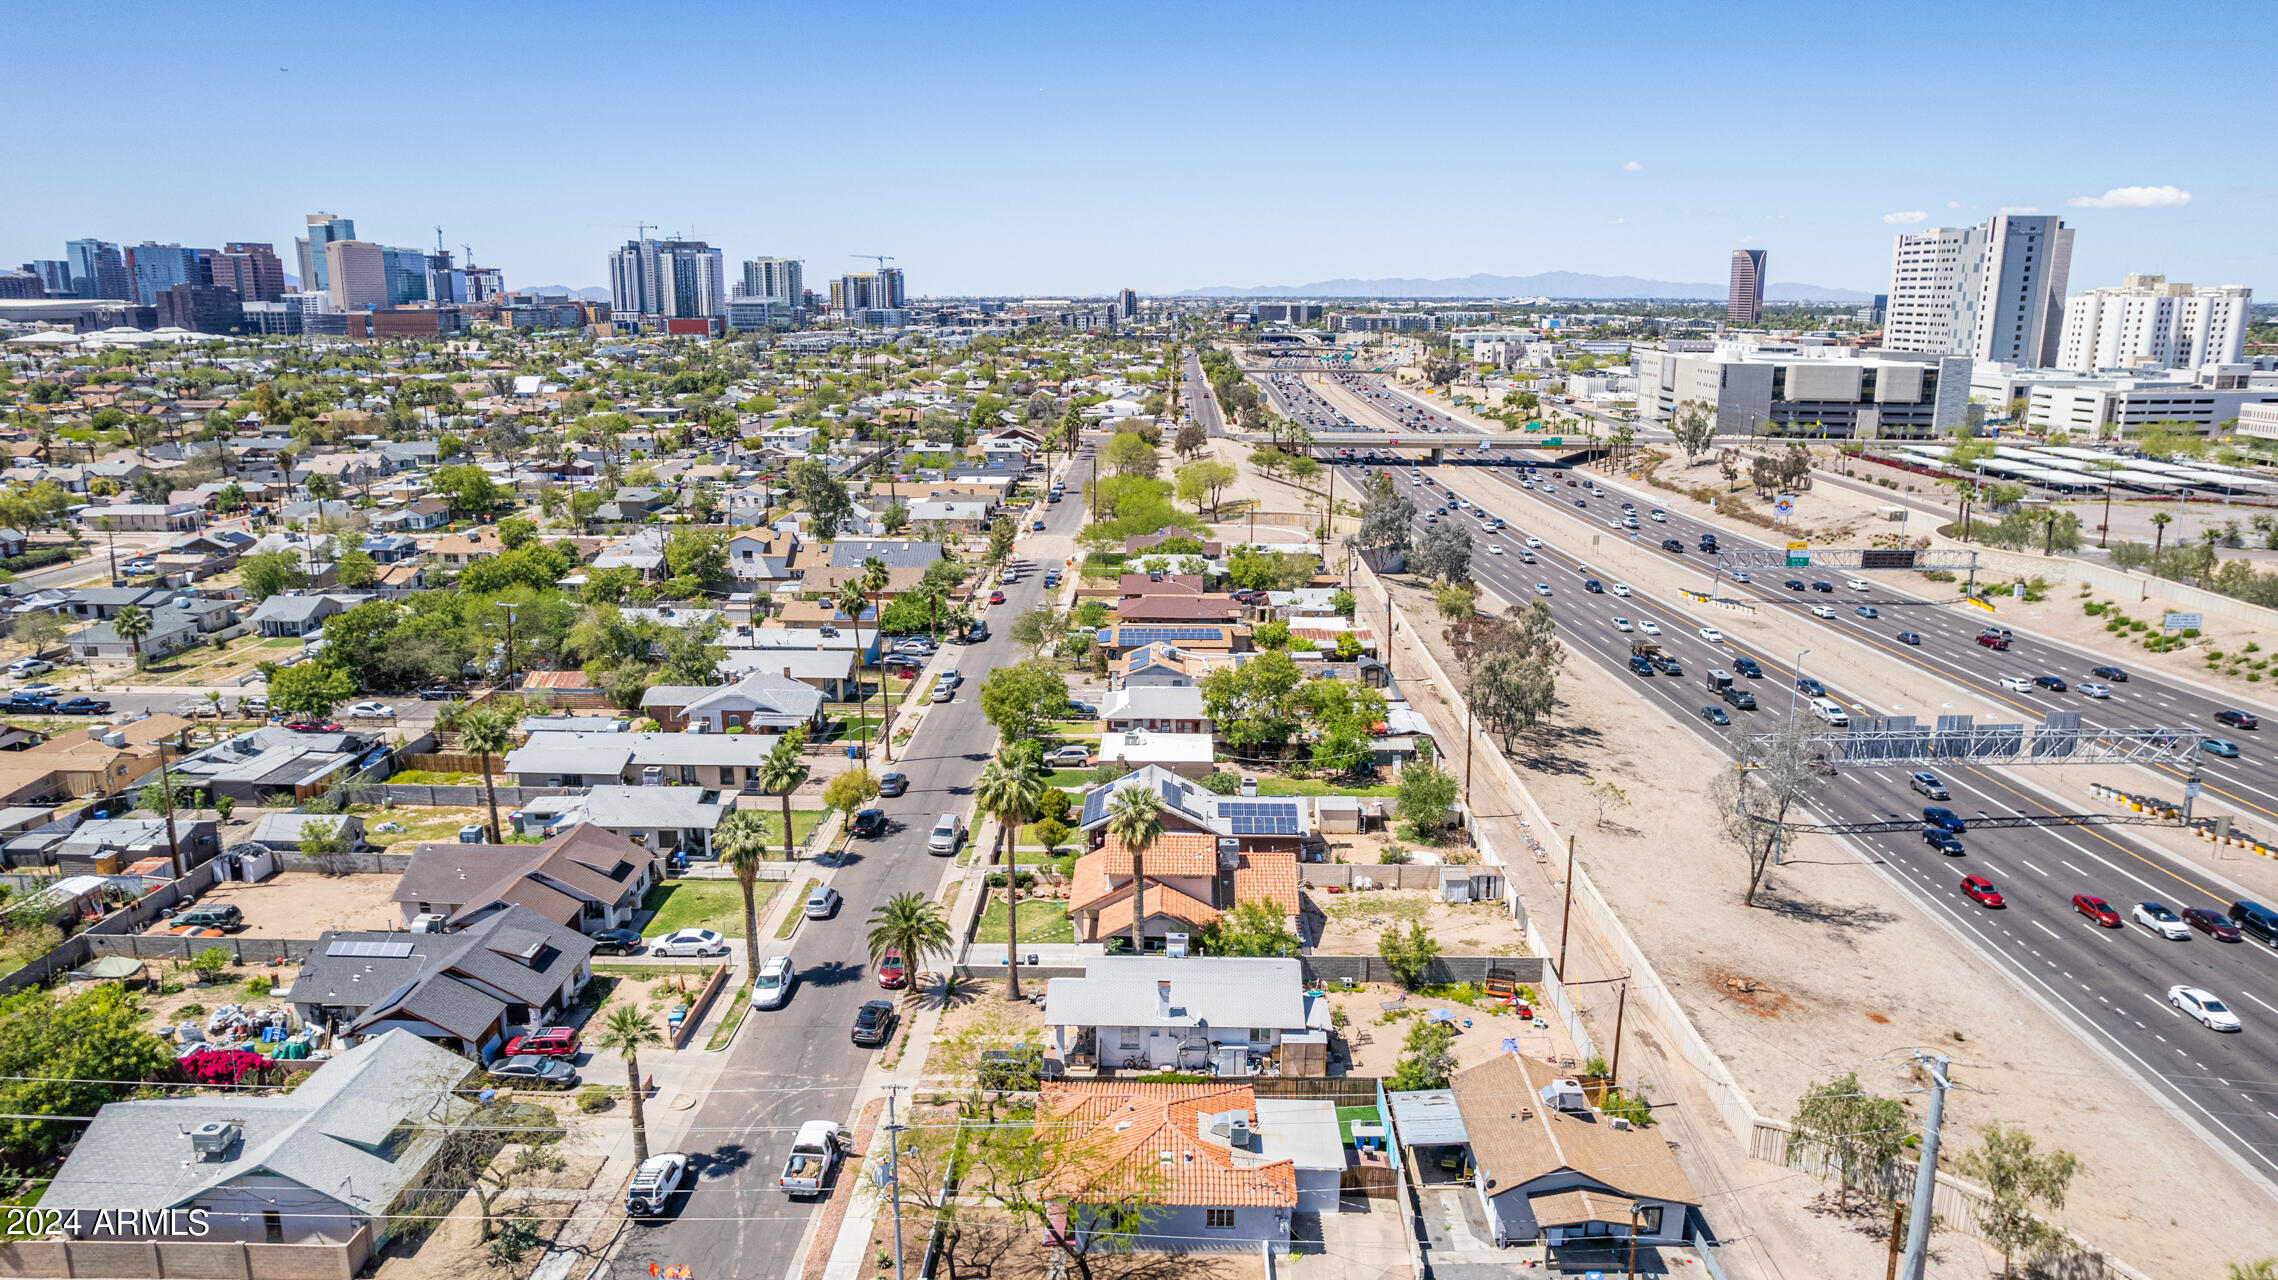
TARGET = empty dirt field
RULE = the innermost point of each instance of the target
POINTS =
(303, 904)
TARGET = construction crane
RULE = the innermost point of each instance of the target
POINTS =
(881, 258)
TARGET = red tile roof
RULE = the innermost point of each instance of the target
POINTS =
(1148, 1140)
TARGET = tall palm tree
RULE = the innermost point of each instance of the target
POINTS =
(850, 603)
(131, 624)
(873, 580)
(781, 773)
(912, 926)
(1135, 816)
(484, 732)
(740, 842)
(627, 1032)
(321, 487)
(1010, 788)
(2159, 522)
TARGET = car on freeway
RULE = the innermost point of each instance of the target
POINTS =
(1672, 546)
(1995, 640)
(1658, 517)
(2054, 684)
(822, 903)
(1494, 548)
(1867, 611)
(1593, 586)
(893, 784)
(2094, 689)
(1716, 715)
(1822, 611)
(893, 975)
(553, 1042)
(2096, 909)
(1944, 841)
(2223, 747)
(1909, 637)
(2017, 684)
(2212, 923)
(1649, 626)
(2155, 917)
(1580, 503)
(1739, 576)
(372, 710)
(1945, 819)
(618, 942)
(1810, 687)
(1981, 891)
(1710, 634)
(1640, 664)
(529, 1068)
(1793, 584)
(874, 1023)
(2113, 674)
(2236, 719)
(1927, 784)
(689, 942)
(1748, 668)
(82, 706)
(869, 823)
(1620, 588)
(2204, 1007)
(1823, 586)
(1534, 544)
(1542, 588)
(1622, 624)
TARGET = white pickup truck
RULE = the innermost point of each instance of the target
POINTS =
(818, 1148)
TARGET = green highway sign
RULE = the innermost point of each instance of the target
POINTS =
(1554, 440)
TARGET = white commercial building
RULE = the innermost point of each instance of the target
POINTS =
(1824, 392)
(2115, 404)
(2150, 323)
(1994, 291)
(2258, 420)
(779, 279)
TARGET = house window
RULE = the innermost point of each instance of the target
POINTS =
(1259, 1035)
(727, 775)
(1218, 1219)
(272, 1228)
(1130, 1037)
(1649, 1220)
(688, 774)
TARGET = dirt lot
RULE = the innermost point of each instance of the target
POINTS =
(424, 824)
(1352, 922)
(978, 1017)
(1374, 1034)
(303, 904)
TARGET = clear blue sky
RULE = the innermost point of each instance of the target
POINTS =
(1056, 148)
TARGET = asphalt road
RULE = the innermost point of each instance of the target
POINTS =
(1201, 401)
(798, 1062)
(2110, 983)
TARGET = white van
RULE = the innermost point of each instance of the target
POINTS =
(947, 830)
(1831, 711)
(1857, 584)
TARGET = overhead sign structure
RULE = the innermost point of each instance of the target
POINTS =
(1886, 558)
(1799, 555)
(2182, 621)
(1554, 441)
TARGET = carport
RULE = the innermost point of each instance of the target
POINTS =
(1430, 1129)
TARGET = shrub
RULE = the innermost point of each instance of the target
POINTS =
(1222, 783)
(189, 1010)
(515, 1239)
(209, 963)
(259, 986)
(594, 1098)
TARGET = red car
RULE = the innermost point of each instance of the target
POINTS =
(996, 597)
(892, 974)
(1993, 639)
(2096, 909)
(553, 1042)
(314, 726)
(1980, 890)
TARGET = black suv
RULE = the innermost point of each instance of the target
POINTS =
(870, 822)
(874, 1023)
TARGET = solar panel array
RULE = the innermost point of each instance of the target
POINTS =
(1252, 818)
(370, 950)
(1152, 635)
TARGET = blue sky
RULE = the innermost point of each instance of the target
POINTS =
(1055, 148)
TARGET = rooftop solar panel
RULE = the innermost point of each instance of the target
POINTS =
(373, 950)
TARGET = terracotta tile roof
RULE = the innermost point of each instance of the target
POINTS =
(1117, 1136)
(1162, 900)
(1174, 853)
(1268, 876)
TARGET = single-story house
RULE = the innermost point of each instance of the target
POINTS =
(1156, 709)
(714, 761)
(1253, 822)
(759, 702)
(665, 819)
(171, 630)
(1220, 1015)
(284, 830)
(1165, 665)
(1189, 883)
(1178, 610)
(1119, 640)
(297, 614)
(586, 879)
(271, 763)
(122, 842)
(1187, 754)
(828, 671)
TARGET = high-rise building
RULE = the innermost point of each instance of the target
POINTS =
(1744, 299)
(781, 281)
(668, 279)
(201, 308)
(868, 290)
(406, 274)
(2149, 322)
(24, 284)
(98, 270)
(1127, 304)
(154, 268)
(484, 283)
(54, 274)
(323, 229)
(446, 284)
(1994, 291)
(254, 270)
(357, 275)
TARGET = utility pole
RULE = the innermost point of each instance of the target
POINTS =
(1566, 914)
(1926, 1173)
(1389, 679)
(1897, 1236)
(894, 1172)
(166, 788)
(1621, 1006)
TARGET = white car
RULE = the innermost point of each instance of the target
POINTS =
(2201, 1004)
(1621, 624)
(689, 942)
(1494, 548)
(378, 709)
(773, 986)
(1856, 584)
(950, 676)
(1649, 626)
(1659, 517)
(2157, 918)
(1711, 634)
(1738, 577)
(1620, 588)
(2091, 689)
(1542, 588)
(30, 667)
(1821, 611)
(1534, 544)
(42, 689)
(2017, 684)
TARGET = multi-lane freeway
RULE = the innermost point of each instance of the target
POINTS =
(2110, 983)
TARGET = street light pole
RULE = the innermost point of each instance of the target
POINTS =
(1797, 683)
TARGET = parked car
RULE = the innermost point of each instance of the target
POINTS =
(689, 942)
(659, 1178)
(821, 904)
(30, 667)
(438, 693)
(893, 784)
(30, 702)
(313, 726)
(530, 1069)
(223, 916)
(82, 707)
(893, 975)
(553, 1042)
(874, 1023)
(1068, 757)
(375, 710)
(619, 942)
(942, 692)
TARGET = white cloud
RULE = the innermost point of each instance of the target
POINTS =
(1620, 221)
(2135, 198)
(2018, 208)
(1632, 167)
(1906, 218)
(1747, 239)
(1953, 204)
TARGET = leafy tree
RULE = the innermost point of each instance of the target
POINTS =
(1052, 832)
(1253, 702)
(1190, 439)
(1408, 954)
(691, 654)
(516, 532)
(1427, 1057)
(1250, 929)
(310, 689)
(466, 490)
(2019, 1179)
(822, 494)
(1348, 647)
(626, 1033)
(1271, 635)
(1202, 482)
(1514, 685)
(323, 841)
(1032, 630)
(209, 963)
(1694, 426)
(1444, 552)
(850, 790)
(268, 573)
(1752, 800)
(1128, 455)
(68, 1056)
(1839, 1123)
(1001, 534)
(701, 554)
(1426, 793)
(1344, 602)
(1019, 699)
(355, 569)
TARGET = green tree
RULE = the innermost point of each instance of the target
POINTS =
(1201, 483)
(355, 569)
(911, 926)
(1009, 789)
(1019, 699)
(2020, 1181)
(68, 1056)
(1427, 1057)
(467, 490)
(1250, 929)
(740, 841)
(1270, 635)
(131, 624)
(310, 689)
(268, 573)
(626, 1033)
(1838, 1123)
(782, 772)
(850, 790)
(1426, 793)
(1127, 454)
(699, 554)
(486, 733)
(1409, 955)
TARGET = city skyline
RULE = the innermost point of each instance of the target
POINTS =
(1187, 184)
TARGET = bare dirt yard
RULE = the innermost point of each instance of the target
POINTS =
(303, 904)
(1351, 923)
(1374, 1033)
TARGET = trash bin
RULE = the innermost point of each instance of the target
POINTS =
(854, 751)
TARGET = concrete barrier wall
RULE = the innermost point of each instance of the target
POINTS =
(163, 1259)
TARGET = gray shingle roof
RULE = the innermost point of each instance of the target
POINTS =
(373, 986)
(1121, 991)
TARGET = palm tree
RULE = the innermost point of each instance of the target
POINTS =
(2159, 522)
(910, 925)
(131, 624)
(627, 1032)
(873, 580)
(781, 773)
(1135, 816)
(850, 603)
(1010, 788)
(740, 842)
(321, 487)
(483, 731)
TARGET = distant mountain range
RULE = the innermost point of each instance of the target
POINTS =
(591, 292)
(1548, 284)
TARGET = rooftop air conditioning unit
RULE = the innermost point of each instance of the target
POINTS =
(213, 1138)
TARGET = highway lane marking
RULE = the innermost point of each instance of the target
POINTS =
(2259, 1000)
(2069, 867)
(2035, 870)
(2047, 930)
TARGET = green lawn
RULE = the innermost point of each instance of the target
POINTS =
(1030, 840)
(1040, 921)
(1348, 1116)
(1068, 778)
(803, 824)
(717, 905)
(1310, 787)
